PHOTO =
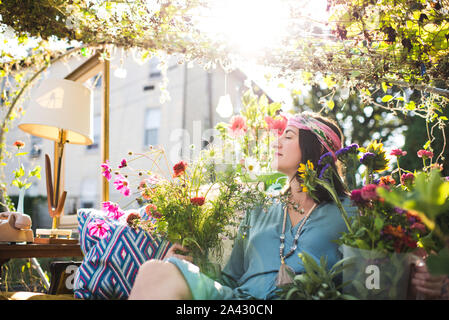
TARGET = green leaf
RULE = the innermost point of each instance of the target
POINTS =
(387, 98)
(378, 223)
(439, 264)
(410, 105)
(21, 154)
(384, 87)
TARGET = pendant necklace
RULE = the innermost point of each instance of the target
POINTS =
(285, 272)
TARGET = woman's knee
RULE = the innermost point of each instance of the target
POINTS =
(156, 276)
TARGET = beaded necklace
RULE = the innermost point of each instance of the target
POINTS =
(285, 272)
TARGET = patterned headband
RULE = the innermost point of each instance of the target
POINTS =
(325, 135)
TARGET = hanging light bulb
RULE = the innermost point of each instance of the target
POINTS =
(121, 72)
(224, 107)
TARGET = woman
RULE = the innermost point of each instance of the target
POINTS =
(262, 252)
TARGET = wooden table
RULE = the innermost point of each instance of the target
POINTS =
(10, 251)
(34, 250)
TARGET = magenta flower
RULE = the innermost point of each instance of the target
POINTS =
(123, 164)
(356, 197)
(425, 154)
(369, 192)
(98, 228)
(106, 170)
(398, 153)
(121, 184)
(113, 210)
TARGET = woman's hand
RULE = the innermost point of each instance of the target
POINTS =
(423, 282)
(175, 250)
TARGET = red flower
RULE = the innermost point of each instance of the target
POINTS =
(425, 154)
(197, 201)
(237, 126)
(179, 168)
(19, 144)
(131, 217)
(276, 125)
(398, 153)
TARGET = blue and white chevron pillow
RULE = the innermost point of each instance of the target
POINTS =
(110, 265)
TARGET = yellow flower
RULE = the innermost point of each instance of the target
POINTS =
(304, 188)
(310, 164)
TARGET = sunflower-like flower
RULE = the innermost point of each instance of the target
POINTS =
(308, 175)
(379, 161)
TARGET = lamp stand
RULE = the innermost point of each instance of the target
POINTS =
(54, 198)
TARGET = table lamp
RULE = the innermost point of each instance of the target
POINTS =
(60, 110)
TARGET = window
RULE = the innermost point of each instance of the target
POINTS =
(152, 124)
(97, 133)
(154, 70)
(88, 194)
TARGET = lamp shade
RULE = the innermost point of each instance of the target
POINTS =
(60, 104)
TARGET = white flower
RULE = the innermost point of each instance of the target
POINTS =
(252, 166)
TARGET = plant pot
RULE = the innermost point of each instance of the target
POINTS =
(374, 275)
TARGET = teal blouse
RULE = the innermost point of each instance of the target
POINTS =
(254, 263)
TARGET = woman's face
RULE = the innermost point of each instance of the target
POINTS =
(287, 154)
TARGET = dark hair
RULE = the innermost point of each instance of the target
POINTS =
(312, 149)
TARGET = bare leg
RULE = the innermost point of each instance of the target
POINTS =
(159, 280)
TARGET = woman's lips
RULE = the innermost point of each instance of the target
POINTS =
(278, 154)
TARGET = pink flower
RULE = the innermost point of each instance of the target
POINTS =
(356, 197)
(121, 184)
(106, 170)
(425, 154)
(237, 126)
(113, 210)
(419, 226)
(369, 192)
(98, 228)
(407, 178)
(123, 164)
(276, 125)
(398, 153)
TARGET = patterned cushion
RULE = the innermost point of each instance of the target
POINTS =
(110, 265)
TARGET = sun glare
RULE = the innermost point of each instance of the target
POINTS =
(252, 25)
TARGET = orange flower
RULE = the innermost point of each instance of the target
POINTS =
(19, 144)
(387, 181)
(394, 231)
